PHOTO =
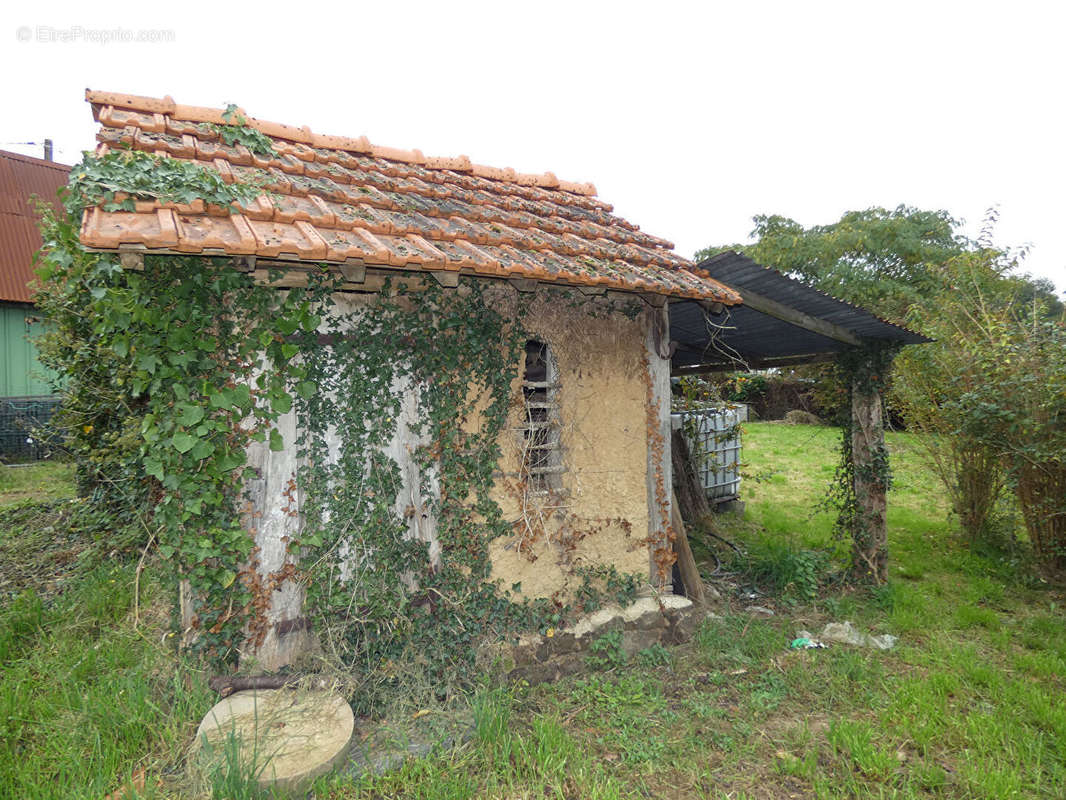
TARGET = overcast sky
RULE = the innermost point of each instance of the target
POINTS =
(689, 117)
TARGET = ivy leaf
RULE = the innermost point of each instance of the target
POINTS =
(288, 325)
(277, 444)
(306, 389)
(183, 442)
(229, 461)
(202, 449)
(226, 578)
(221, 399)
(154, 468)
(148, 362)
(189, 414)
(281, 403)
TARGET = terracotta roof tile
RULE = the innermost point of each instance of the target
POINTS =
(335, 198)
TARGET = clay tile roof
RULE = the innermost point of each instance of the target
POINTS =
(338, 198)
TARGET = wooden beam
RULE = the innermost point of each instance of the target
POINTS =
(244, 263)
(686, 562)
(659, 473)
(524, 285)
(592, 290)
(134, 261)
(446, 278)
(780, 311)
(654, 300)
(745, 362)
(353, 270)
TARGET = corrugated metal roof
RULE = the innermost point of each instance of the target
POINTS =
(744, 336)
(20, 178)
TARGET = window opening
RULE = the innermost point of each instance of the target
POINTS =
(541, 463)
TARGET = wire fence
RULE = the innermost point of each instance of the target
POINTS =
(22, 420)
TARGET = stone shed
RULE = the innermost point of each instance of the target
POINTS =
(581, 475)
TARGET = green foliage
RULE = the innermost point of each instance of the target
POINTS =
(237, 131)
(654, 656)
(121, 177)
(877, 258)
(991, 395)
(446, 350)
(231, 772)
(866, 370)
(606, 652)
(794, 572)
(744, 387)
(169, 374)
(85, 696)
(601, 582)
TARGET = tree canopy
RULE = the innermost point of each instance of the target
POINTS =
(885, 260)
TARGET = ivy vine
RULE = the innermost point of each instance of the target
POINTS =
(237, 131)
(172, 371)
(866, 369)
(115, 181)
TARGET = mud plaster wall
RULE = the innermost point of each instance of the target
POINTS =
(598, 517)
(600, 514)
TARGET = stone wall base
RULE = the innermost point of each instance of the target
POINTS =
(537, 658)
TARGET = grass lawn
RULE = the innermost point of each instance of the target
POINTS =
(970, 704)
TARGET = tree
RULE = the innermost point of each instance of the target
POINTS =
(883, 260)
(987, 393)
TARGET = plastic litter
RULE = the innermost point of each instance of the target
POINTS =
(806, 643)
(846, 633)
(761, 611)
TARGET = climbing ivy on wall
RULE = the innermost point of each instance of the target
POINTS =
(454, 356)
(430, 372)
(172, 371)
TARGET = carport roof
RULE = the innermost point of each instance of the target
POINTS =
(781, 322)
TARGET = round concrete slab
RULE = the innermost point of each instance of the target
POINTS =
(288, 737)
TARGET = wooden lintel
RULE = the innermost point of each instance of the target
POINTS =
(447, 279)
(134, 261)
(592, 290)
(780, 311)
(524, 284)
(353, 270)
(655, 300)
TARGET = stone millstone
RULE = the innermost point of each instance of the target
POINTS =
(288, 737)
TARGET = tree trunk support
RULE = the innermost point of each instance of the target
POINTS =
(870, 470)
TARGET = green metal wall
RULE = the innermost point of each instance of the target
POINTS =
(21, 374)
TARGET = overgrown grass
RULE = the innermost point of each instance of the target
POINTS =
(88, 700)
(35, 482)
(968, 705)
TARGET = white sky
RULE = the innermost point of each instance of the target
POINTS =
(689, 117)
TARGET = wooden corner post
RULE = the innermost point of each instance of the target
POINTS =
(659, 480)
